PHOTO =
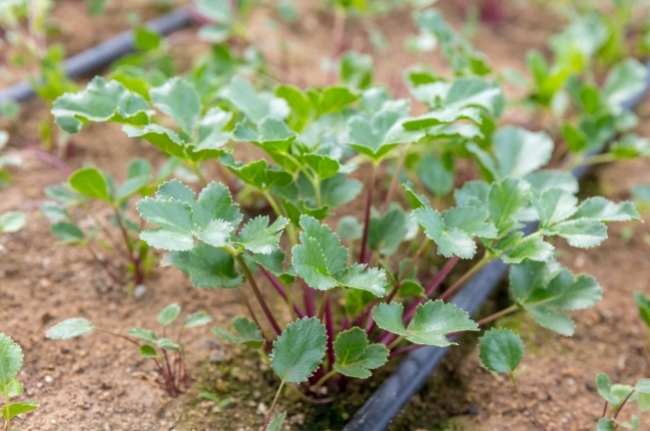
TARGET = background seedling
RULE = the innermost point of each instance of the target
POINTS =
(167, 354)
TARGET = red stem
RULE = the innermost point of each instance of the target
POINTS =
(277, 284)
(363, 257)
(308, 297)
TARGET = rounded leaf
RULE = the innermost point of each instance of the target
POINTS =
(11, 359)
(501, 350)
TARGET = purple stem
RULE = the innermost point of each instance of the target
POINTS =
(277, 284)
(308, 297)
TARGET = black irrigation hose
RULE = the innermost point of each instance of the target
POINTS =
(102, 55)
(396, 391)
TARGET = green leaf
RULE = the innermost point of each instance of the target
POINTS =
(320, 256)
(144, 334)
(436, 175)
(505, 200)
(601, 209)
(169, 314)
(386, 232)
(139, 175)
(643, 303)
(450, 240)
(207, 266)
(631, 146)
(375, 136)
(11, 360)
(255, 106)
(442, 117)
(554, 206)
(258, 237)
(276, 423)
(432, 322)
(604, 386)
(178, 99)
(519, 152)
(356, 70)
(101, 101)
(359, 277)
(580, 232)
(355, 356)
(471, 220)
(501, 350)
(197, 319)
(10, 411)
(624, 81)
(605, 424)
(258, 173)
(642, 386)
(12, 221)
(70, 328)
(299, 350)
(350, 229)
(13, 389)
(165, 139)
(545, 291)
(148, 351)
(472, 194)
(331, 99)
(167, 344)
(530, 247)
(212, 218)
(67, 232)
(91, 182)
(247, 333)
(575, 138)
(211, 133)
(552, 179)
(145, 39)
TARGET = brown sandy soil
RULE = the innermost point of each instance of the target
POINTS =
(98, 383)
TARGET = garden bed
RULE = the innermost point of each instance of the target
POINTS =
(89, 384)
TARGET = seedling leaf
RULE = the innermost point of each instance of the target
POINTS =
(148, 351)
(12, 221)
(299, 350)
(197, 319)
(501, 350)
(169, 314)
(69, 328)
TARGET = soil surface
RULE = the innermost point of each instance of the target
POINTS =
(101, 383)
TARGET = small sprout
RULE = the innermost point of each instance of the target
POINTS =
(11, 361)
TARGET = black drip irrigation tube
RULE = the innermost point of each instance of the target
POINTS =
(101, 55)
(411, 374)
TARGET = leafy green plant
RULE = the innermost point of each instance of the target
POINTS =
(11, 361)
(6, 160)
(168, 354)
(379, 286)
(127, 260)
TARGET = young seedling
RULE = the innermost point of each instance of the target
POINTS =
(129, 260)
(619, 396)
(167, 354)
(11, 361)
